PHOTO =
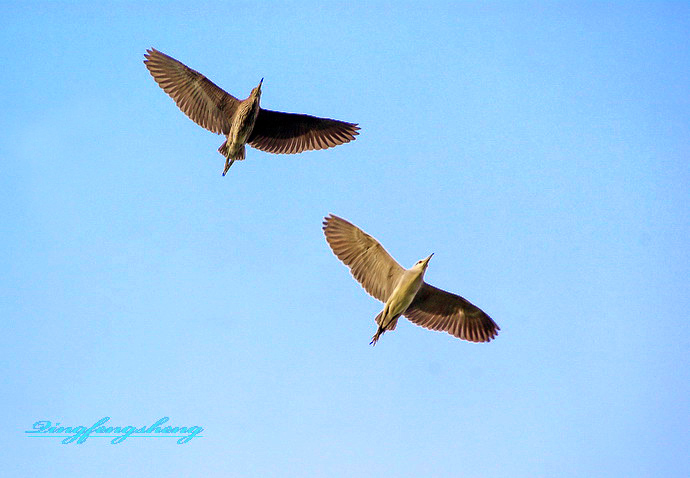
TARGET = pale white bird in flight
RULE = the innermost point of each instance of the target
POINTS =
(404, 291)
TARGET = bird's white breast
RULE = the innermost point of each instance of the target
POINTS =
(405, 291)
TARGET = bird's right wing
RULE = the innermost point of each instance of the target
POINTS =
(436, 309)
(368, 261)
(199, 98)
(290, 133)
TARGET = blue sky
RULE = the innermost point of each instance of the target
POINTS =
(540, 150)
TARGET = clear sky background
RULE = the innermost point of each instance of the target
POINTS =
(539, 150)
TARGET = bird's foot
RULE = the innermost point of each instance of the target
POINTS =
(376, 337)
(228, 163)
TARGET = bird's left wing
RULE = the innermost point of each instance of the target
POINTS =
(288, 133)
(368, 261)
(199, 98)
(436, 309)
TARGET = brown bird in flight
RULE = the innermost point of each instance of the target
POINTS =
(404, 291)
(243, 121)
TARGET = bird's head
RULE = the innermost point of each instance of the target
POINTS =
(256, 92)
(424, 263)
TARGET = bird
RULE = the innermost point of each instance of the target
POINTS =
(243, 121)
(403, 291)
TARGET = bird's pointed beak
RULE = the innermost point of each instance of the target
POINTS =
(260, 83)
(426, 261)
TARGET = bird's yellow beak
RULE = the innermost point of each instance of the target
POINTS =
(426, 261)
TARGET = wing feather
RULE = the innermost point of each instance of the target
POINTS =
(368, 261)
(290, 133)
(436, 309)
(199, 98)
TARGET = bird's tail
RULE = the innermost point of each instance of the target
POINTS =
(224, 148)
(390, 325)
(382, 328)
(229, 159)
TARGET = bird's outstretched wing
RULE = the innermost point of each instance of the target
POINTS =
(199, 98)
(436, 309)
(288, 133)
(368, 261)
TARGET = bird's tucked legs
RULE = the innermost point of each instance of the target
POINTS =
(376, 336)
(228, 163)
